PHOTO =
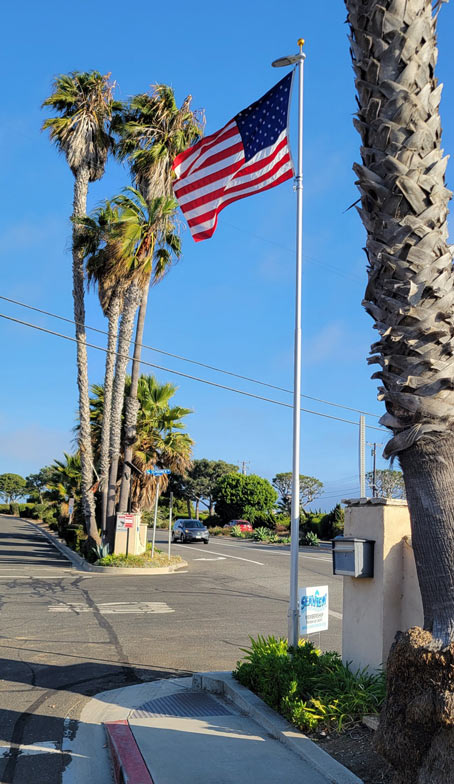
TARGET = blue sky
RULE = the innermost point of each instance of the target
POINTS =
(229, 301)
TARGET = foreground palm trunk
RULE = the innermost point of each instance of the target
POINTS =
(410, 295)
(113, 316)
(131, 303)
(132, 405)
(85, 445)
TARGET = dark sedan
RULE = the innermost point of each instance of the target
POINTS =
(190, 531)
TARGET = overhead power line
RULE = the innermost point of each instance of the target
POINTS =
(180, 373)
(192, 361)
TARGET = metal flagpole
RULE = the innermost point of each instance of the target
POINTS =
(293, 614)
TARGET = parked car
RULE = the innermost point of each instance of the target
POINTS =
(243, 525)
(190, 531)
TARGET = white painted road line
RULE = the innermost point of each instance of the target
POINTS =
(109, 608)
(235, 557)
(44, 576)
(270, 551)
(218, 558)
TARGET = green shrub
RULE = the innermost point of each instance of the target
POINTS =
(333, 523)
(212, 521)
(5, 509)
(14, 509)
(309, 539)
(218, 530)
(162, 518)
(237, 532)
(75, 536)
(309, 688)
(260, 519)
(282, 519)
(261, 534)
(27, 510)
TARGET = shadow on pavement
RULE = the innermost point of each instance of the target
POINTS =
(31, 741)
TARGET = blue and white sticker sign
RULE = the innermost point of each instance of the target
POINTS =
(313, 609)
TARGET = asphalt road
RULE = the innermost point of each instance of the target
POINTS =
(66, 635)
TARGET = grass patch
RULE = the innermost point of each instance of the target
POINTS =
(313, 690)
(145, 560)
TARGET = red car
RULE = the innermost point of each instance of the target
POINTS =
(243, 525)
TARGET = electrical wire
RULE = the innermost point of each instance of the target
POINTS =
(192, 361)
(183, 375)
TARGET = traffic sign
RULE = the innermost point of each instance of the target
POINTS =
(158, 471)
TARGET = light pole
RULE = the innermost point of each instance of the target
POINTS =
(293, 616)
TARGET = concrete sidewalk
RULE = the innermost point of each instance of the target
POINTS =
(208, 730)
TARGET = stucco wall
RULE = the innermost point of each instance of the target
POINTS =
(374, 609)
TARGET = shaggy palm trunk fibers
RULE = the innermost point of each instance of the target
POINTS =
(416, 731)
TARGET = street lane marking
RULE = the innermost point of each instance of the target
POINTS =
(44, 576)
(235, 557)
(109, 608)
(218, 558)
(271, 552)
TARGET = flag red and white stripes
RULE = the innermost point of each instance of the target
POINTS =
(248, 155)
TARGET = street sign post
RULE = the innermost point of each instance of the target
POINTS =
(313, 609)
(170, 522)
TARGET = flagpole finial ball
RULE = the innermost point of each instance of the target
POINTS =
(301, 42)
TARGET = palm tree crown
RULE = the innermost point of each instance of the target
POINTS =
(81, 130)
(152, 131)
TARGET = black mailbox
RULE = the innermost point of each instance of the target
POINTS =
(353, 557)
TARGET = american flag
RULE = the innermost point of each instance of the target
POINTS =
(248, 155)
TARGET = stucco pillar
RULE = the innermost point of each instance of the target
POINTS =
(374, 609)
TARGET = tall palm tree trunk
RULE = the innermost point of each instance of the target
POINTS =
(131, 303)
(113, 316)
(132, 404)
(85, 444)
(410, 295)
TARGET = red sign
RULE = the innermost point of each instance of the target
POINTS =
(125, 521)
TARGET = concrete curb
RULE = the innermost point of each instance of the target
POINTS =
(224, 684)
(128, 764)
(81, 564)
(86, 745)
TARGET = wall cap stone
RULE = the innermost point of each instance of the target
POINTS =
(374, 502)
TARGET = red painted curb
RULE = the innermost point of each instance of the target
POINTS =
(128, 763)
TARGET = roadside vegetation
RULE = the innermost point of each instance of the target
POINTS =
(160, 431)
(313, 690)
(144, 560)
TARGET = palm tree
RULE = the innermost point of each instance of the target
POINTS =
(152, 132)
(84, 105)
(410, 295)
(160, 441)
(65, 477)
(102, 249)
(143, 243)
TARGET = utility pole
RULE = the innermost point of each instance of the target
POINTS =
(374, 445)
(362, 456)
